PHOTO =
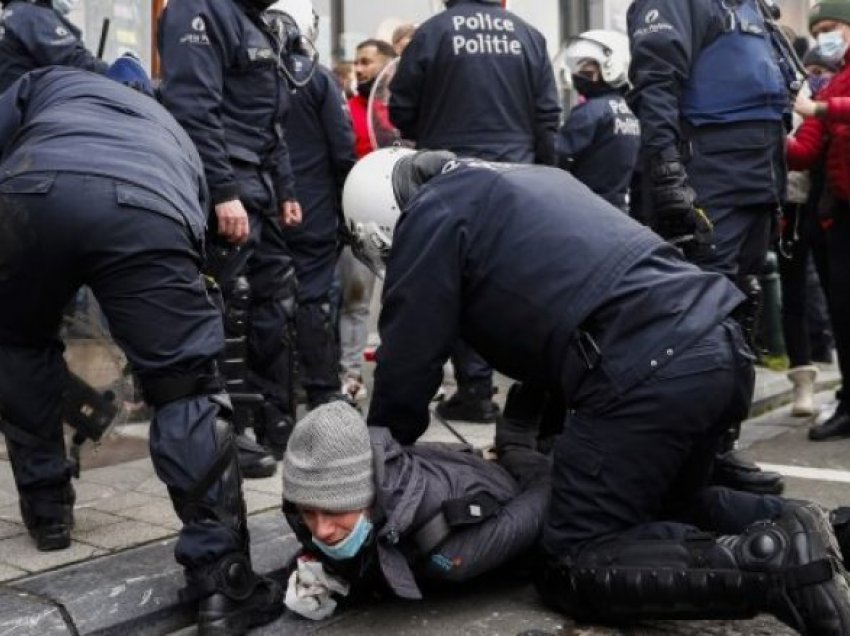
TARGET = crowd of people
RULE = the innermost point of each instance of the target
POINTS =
(232, 220)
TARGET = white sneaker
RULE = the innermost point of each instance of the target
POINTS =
(353, 387)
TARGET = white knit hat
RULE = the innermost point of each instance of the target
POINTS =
(328, 461)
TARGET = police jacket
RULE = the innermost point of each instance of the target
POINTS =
(829, 136)
(321, 146)
(412, 485)
(34, 35)
(515, 260)
(477, 80)
(221, 81)
(599, 143)
(707, 82)
(66, 120)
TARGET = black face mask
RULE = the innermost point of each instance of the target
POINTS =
(364, 89)
(589, 88)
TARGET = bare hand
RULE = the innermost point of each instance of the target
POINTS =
(290, 213)
(232, 221)
(804, 106)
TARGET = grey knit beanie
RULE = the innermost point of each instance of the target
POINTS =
(328, 461)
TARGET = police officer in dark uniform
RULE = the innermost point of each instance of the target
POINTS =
(476, 80)
(321, 145)
(36, 33)
(600, 139)
(711, 97)
(142, 215)
(222, 82)
(641, 345)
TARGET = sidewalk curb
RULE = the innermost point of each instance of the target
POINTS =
(131, 592)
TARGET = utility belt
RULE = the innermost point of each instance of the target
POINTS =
(453, 515)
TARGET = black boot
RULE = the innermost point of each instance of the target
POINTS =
(49, 516)
(469, 405)
(274, 430)
(255, 462)
(836, 427)
(236, 599)
(733, 470)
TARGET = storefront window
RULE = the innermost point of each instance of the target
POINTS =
(129, 27)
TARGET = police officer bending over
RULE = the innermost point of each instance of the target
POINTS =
(382, 517)
(36, 33)
(641, 345)
(600, 139)
(222, 82)
(141, 216)
(711, 97)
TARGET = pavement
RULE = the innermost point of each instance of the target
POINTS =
(119, 576)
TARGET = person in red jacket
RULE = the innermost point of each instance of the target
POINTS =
(372, 56)
(826, 134)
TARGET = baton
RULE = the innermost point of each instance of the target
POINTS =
(104, 31)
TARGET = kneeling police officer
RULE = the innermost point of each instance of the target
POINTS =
(580, 298)
(131, 227)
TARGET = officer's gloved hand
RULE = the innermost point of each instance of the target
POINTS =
(677, 218)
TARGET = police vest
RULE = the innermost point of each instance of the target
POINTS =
(736, 78)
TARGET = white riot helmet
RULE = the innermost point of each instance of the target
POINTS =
(609, 49)
(370, 205)
(302, 13)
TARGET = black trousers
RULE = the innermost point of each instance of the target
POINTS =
(834, 269)
(640, 463)
(58, 233)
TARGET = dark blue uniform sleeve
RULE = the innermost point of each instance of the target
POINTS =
(420, 316)
(577, 134)
(663, 36)
(337, 125)
(285, 176)
(547, 111)
(194, 46)
(49, 40)
(13, 104)
(407, 84)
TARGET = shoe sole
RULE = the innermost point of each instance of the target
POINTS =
(258, 473)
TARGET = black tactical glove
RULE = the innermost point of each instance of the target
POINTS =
(677, 218)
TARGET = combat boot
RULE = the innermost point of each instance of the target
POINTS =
(836, 427)
(236, 600)
(469, 405)
(255, 462)
(48, 515)
(735, 471)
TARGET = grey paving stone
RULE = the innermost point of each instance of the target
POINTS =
(11, 513)
(153, 486)
(272, 485)
(124, 501)
(124, 534)
(126, 476)
(87, 519)
(23, 614)
(10, 529)
(159, 512)
(90, 492)
(7, 573)
(20, 552)
(258, 501)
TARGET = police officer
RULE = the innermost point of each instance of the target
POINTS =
(321, 144)
(36, 33)
(477, 80)
(600, 140)
(142, 214)
(642, 347)
(382, 516)
(222, 82)
(711, 98)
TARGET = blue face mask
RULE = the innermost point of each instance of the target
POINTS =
(817, 83)
(832, 45)
(351, 545)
